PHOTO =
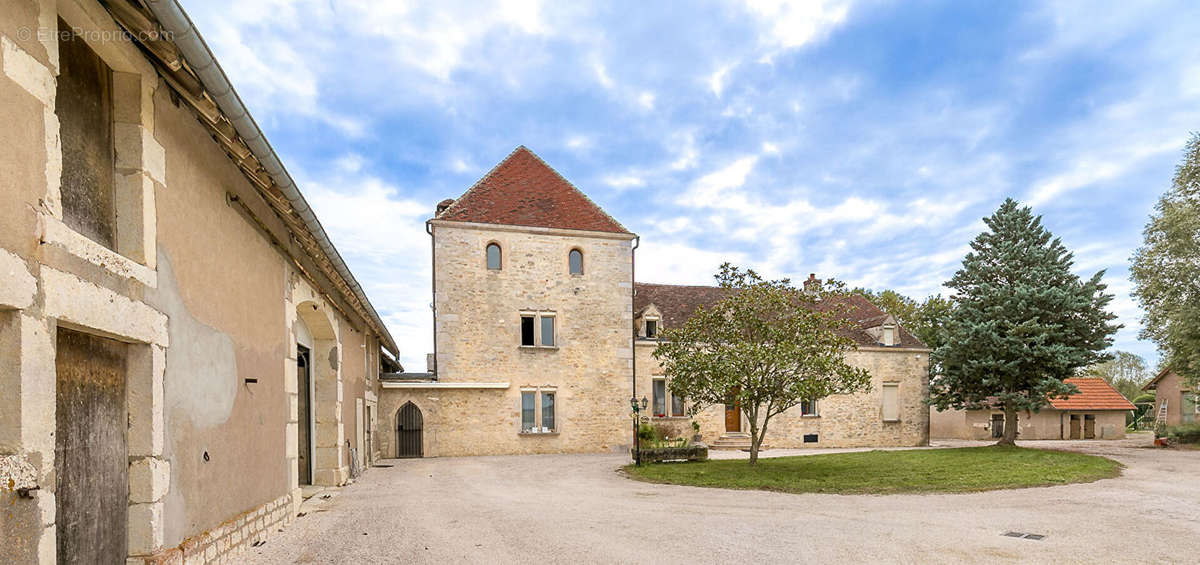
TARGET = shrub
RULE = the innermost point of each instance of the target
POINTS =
(646, 432)
(1187, 433)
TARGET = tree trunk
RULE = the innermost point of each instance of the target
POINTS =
(1010, 426)
(753, 443)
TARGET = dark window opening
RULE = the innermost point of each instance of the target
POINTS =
(83, 103)
(810, 438)
(677, 408)
(548, 411)
(651, 329)
(527, 330)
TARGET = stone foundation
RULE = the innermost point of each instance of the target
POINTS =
(225, 542)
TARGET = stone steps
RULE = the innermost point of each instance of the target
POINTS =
(732, 441)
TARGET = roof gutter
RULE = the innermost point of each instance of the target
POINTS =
(176, 22)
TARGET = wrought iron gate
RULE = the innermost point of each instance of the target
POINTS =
(409, 425)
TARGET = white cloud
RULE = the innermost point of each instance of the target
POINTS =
(716, 81)
(712, 190)
(770, 148)
(794, 23)
(625, 181)
(646, 100)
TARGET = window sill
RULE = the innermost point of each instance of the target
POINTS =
(57, 233)
(536, 434)
(891, 421)
(814, 416)
(538, 347)
(670, 417)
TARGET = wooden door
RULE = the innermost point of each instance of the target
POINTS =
(1089, 426)
(1075, 429)
(91, 482)
(409, 427)
(997, 426)
(303, 416)
(733, 417)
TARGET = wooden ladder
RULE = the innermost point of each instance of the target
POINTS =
(1162, 413)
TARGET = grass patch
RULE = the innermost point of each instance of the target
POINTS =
(966, 469)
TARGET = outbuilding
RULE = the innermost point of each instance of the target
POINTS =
(1097, 411)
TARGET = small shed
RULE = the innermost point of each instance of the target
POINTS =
(1097, 411)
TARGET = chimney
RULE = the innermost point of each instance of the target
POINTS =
(812, 285)
(441, 206)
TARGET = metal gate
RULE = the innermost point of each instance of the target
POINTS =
(408, 431)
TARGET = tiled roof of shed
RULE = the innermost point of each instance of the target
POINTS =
(1094, 394)
(524, 191)
(677, 303)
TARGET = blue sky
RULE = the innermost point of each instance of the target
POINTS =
(857, 140)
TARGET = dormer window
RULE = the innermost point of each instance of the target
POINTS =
(651, 329)
(493, 257)
(888, 337)
(575, 262)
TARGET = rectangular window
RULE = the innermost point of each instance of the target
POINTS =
(547, 331)
(891, 402)
(84, 105)
(527, 331)
(547, 411)
(651, 329)
(660, 398)
(808, 408)
(527, 411)
(677, 408)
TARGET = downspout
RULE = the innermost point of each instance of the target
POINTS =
(433, 285)
(637, 240)
(200, 59)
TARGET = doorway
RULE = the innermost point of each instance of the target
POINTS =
(409, 430)
(997, 426)
(733, 417)
(1089, 426)
(91, 479)
(1075, 427)
(303, 415)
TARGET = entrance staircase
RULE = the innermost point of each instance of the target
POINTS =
(732, 441)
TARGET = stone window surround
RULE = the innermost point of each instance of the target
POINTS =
(816, 412)
(500, 248)
(140, 162)
(537, 316)
(537, 410)
(644, 329)
(582, 258)
(669, 397)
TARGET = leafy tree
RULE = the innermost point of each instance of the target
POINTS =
(1166, 270)
(766, 347)
(924, 319)
(1022, 321)
(1126, 372)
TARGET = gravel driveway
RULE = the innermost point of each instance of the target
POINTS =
(580, 509)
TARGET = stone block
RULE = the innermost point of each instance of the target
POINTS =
(149, 479)
(145, 530)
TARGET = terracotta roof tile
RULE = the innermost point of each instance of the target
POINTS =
(677, 303)
(524, 191)
(1094, 394)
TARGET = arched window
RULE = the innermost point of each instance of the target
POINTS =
(493, 257)
(575, 262)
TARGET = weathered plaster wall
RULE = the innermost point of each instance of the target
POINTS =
(479, 336)
(843, 420)
(1047, 423)
(221, 283)
(1170, 389)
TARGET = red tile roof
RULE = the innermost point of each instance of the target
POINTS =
(524, 191)
(1094, 394)
(677, 303)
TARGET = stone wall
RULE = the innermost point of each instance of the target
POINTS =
(842, 420)
(225, 542)
(478, 339)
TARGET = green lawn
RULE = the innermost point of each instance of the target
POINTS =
(966, 469)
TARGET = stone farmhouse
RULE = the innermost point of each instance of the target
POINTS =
(182, 350)
(1097, 412)
(540, 331)
(1175, 402)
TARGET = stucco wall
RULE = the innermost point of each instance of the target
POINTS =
(1047, 423)
(479, 337)
(842, 420)
(1170, 388)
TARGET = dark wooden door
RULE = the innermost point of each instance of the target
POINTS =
(91, 483)
(997, 425)
(1075, 433)
(1089, 426)
(733, 417)
(303, 417)
(409, 426)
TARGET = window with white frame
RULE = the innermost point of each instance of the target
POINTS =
(537, 329)
(651, 325)
(808, 408)
(538, 411)
(660, 398)
(888, 336)
(664, 399)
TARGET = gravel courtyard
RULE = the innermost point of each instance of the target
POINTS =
(581, 509)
